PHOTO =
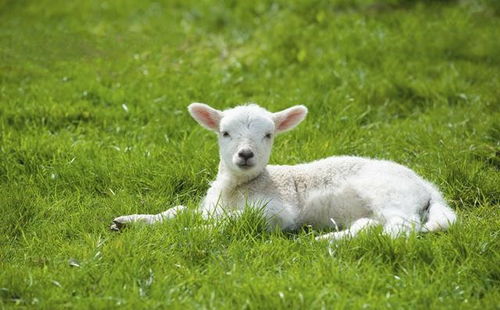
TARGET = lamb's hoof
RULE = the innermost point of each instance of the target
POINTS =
(117, 225)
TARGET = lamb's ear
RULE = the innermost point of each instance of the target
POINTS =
(205, 115)
(289, 118)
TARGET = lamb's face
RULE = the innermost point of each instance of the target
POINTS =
(246, 133)
(246, 137)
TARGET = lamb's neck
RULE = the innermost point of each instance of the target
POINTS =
(228, 181)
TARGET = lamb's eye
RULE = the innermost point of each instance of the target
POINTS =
(268, 136)
(225, 134)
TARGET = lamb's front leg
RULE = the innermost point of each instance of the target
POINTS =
(122, 221)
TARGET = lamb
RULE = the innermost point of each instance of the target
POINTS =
(347, 192)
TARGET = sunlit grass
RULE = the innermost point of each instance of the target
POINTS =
(93, 125)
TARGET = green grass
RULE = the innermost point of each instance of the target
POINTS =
(93, 125)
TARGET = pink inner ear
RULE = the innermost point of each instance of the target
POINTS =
(290, 120)
(206, 117)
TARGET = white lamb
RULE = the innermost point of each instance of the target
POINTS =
(348, 192)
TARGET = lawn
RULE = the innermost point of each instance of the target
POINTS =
(93, 125)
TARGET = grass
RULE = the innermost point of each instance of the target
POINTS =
(93, 125)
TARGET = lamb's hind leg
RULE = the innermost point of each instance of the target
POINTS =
(400, 226)
(352, 231)
(122, 221)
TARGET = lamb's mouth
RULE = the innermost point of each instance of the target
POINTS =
(244, 165)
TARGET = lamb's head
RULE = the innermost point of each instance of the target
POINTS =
(246, 133)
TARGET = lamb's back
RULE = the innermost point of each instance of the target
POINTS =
(320, 173)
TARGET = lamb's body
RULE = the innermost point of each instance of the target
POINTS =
(334, 192)
(345, 192)
(287, 192)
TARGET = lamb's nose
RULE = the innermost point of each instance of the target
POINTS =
(245, 154)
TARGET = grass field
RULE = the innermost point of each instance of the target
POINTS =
(93, 125)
